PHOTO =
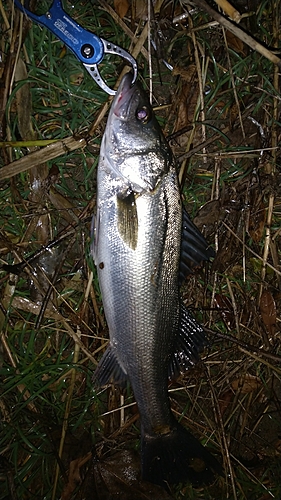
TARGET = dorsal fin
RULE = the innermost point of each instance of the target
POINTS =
(190, 341)
(194, 248)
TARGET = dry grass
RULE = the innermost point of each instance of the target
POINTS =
(220, 109)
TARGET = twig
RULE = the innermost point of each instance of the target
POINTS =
(260, 360)
(249, 40)
(51, 286)
(245, 346)
(229, 10)
(45, 154)
(233, 305)
(124, 26)
(266, 240)
(233, 83)
(3, 14)
(21, 387)
(201, 146)
(200, 82)
(218, 417)
(250, 250)
(66, 414)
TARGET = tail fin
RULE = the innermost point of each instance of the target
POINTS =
(177, 457)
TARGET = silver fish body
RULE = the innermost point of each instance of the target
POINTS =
(137, 251)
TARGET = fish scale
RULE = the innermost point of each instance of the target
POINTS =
(141, 236)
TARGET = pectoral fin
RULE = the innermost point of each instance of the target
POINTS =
(128, 220)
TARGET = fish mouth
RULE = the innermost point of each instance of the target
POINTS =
(123, 97)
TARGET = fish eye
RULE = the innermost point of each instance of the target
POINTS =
(143, 114)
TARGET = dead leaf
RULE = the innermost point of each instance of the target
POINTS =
(184, 103)
(64, 205)
(119, 477)
(158, 5)
(246, 384)
(209, 214)
(275, 255)
(24, 103)
(77, 78)
(74, 477)
(182, 109)
(235, 43)
(257, 222)
(186, 74)
(268, 312)
(224, 400)
(121, 7)
(141, 11)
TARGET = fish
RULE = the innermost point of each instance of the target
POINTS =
(144, 245)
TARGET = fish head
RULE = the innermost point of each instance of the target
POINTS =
(133, 144)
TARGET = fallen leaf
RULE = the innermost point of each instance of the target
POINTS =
(257, 266)
(235, 43)
(186, 74)
(74, 477)
(119, 477)
(184, 102)
(24, 103)
(257, 222)
(224, 400)
(246, 384)
(121, 7)
(140, 10)
(209, 214)
(268, 311)
(63, 205)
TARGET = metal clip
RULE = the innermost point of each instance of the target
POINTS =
(87, 47)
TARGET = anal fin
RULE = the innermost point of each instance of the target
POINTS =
(109, 370)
